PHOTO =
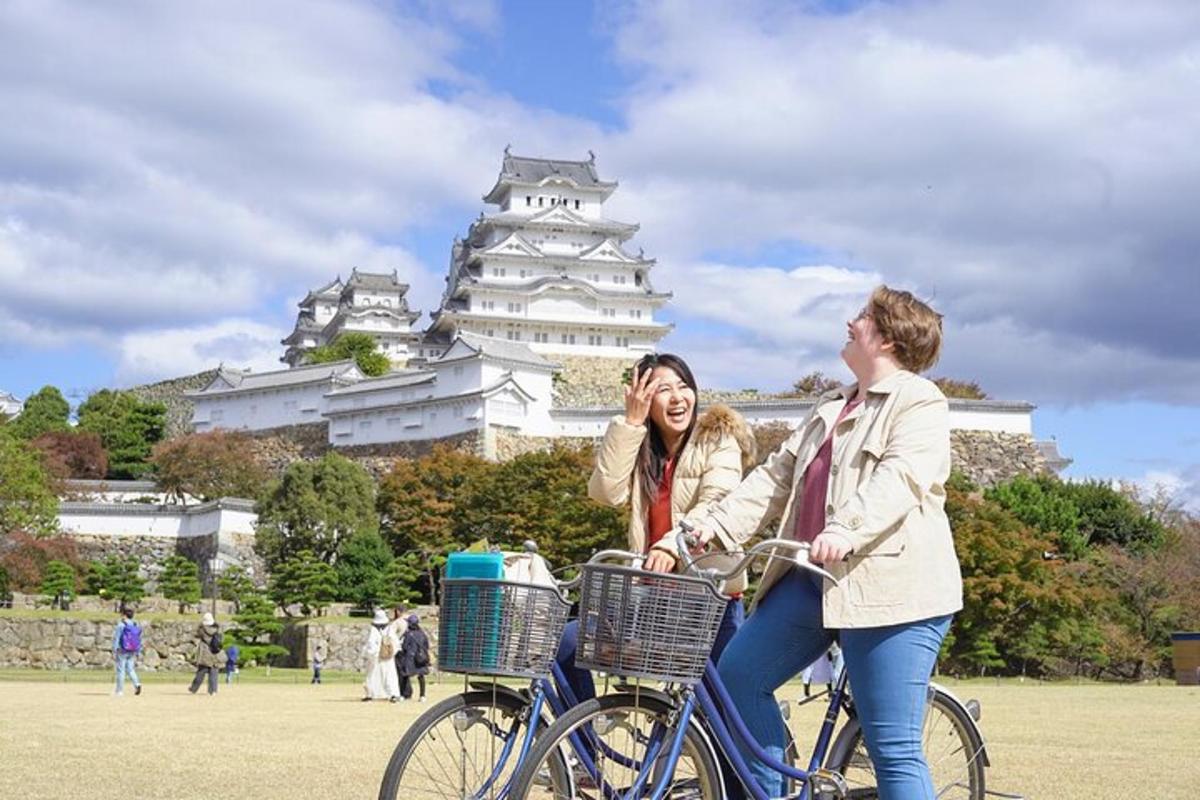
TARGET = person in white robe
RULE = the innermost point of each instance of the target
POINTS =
(381, 682)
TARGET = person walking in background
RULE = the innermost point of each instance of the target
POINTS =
(126, 645)
(320, 652)
(414, 658)
(231, 662)
(380, 649)
(209, 654)
(398, 627)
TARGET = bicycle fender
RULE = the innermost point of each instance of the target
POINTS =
(845, 737)
(953, 698)
(517, 694)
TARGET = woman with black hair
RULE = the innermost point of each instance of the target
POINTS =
(666, 461)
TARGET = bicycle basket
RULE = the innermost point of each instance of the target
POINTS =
(646, 624)
(492, 627)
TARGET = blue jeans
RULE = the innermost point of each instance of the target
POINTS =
(580, 680)
(889, 671)
(124, 664)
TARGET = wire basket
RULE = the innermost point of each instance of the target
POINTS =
(492, 627)
(647, 625)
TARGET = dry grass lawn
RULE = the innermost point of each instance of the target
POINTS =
(289, 740)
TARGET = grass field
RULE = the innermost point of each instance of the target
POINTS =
(278, 737)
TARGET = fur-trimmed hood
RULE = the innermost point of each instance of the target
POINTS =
(720, 420)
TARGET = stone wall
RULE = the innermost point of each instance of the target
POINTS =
(58, 643)
(590, 382)
(986, 457)
(170, 394)
(151, 552)
(344, 642)
(277, 448)
(55, 642)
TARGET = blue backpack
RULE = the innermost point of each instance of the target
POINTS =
(131, 638)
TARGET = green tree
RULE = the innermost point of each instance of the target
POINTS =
(46, 410)
(1009, 589)
(813, 384)
(304, 580)
(117, 579)
(254, 626)
(235, 584)
(543, 497)
(315, 506)
(962, 390)
(209, 466)
(1041, 502)
(1108, 515)
(27, 498)
(180, 581)
(59, 584)
(361, 347)
(128, 427)
(423, 506)
(366, 571)
(5, 588)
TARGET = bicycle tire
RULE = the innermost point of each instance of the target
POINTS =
(700, 779)
(948, 735)
(495, 712)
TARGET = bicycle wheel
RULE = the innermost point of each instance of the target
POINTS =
(952, 749)
(617, 732)
(467, 746)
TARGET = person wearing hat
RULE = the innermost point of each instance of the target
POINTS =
(380, 650)
(414, 658)
(210, 654)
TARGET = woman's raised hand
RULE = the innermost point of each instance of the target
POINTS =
(638, 395)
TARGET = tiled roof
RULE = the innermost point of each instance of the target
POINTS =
(502, 349)
(247, 381)
(387, 282)
(393, 380)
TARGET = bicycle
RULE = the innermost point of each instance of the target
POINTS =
(624, 615)
(471, 745)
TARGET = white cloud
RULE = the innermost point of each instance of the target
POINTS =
(182, 351)
(175, 164)
(1032, 172)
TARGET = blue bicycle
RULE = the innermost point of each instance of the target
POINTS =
(470, 746)
(661, 627)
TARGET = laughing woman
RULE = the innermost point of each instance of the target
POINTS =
(666, 462)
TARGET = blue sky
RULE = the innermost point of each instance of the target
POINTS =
(174, 179)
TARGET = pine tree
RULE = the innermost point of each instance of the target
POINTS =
(366, 571)
(58, 584)
(304, 580)
(117, 579)
(254, 625)
(180, 581)
(234, 584)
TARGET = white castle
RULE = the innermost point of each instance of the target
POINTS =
(546, 276)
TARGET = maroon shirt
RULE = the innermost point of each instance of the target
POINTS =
(810, 519)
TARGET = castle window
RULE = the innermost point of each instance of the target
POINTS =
(593, 340)
(528, 200)
(540, 201)
(576, 205)
(491, 333)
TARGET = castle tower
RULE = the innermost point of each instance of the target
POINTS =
(548, 269)
(368, 302)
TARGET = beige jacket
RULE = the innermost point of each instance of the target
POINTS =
(891, 457)
(709, 466)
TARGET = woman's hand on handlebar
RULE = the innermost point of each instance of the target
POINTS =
(829, 548)
(659, 561)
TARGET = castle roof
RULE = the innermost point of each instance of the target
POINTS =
(393, 380)
(329, 291)
(375, 281)
(239, 380)
(471, 345)
(537, 171)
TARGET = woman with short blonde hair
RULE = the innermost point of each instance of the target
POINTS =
(862, 480)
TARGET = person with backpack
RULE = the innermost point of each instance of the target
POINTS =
(232, 652)
(414, 658)
(126, 644)
(210, 654)
(380, 650)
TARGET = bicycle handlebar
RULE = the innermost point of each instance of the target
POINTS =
(686, 539)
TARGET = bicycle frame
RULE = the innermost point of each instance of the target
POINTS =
(710, 700)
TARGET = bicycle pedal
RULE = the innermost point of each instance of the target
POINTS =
(826, 784)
